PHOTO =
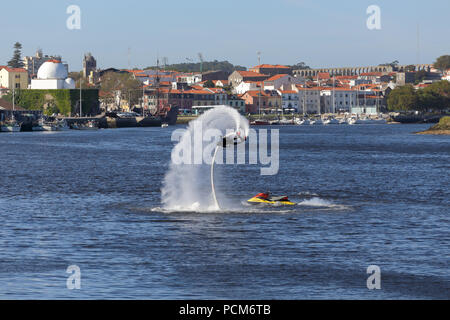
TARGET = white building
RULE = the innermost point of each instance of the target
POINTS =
(344, 99)
(33, 63)
(446, 75)
(289, 98)
(244, 87)
(279, 80)
(309, 100)
(52, 75)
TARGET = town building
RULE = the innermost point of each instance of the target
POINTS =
(244, 76)
(375, 77)
(309, 100)
(3, 91)
(33, 63)
(52, 75)
(446, 75)
(245, 86)
(279, 80)
(89, 67)
(271, 69)
(215, 75)
(289, 99)
(220, 83)
(337, 100)
(256, 101)
(13, 78)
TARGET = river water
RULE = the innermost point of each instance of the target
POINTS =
(367, 195)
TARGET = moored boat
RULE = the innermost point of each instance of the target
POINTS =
(10, 126)
(260, 122)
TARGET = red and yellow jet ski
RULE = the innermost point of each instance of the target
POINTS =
(268, 199)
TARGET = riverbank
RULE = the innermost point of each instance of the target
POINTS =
(442, 128)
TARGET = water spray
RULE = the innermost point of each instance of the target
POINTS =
(231, 139)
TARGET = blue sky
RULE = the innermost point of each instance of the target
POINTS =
(321, 33)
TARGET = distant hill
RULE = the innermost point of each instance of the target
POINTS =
(207, 66)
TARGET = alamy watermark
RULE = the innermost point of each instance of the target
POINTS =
(374, 20)
(201, 144)
(73, 22)
(374, 280)
(74, 280)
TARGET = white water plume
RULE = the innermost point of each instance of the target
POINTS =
(187, 185)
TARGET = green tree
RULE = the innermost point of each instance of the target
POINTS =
(393, 64)
(209, 84)
(442, 63)
(410, 68)
(420, 76)
(300, 66)
(402, 99)
(436, 96)
(207, 66)
(16, 60)
(130, 88)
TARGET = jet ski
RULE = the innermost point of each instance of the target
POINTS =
(268, 199)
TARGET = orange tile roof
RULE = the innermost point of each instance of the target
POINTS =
(323, 75)
(251, 74)
(13, 69)
(372, 74)
(276, 77)
(271, 66)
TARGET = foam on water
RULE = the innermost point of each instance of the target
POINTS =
(186, 187)
(322, 203)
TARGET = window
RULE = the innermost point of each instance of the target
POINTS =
(17, 85)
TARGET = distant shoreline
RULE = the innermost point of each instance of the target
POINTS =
(442, 128)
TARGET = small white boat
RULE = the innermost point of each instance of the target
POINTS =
(304, 122)
(285, 121)
(37, 127)
(317, 122)
(90, 125)
(165, 125)
(11, 126)
(362, 121)
(343, 121)
(351, 121)
(49, 127)
(333, 121)
(44, 126)
(62, 126)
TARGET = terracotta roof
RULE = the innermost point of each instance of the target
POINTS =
(6, 105)
(251, 74)
(323, 75)
(270, 66)
(377, 74)
(346, 77)
(256, 93)
(13, 69)
(276, 77)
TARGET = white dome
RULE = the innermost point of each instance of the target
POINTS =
(52, 69)
(69, 83)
